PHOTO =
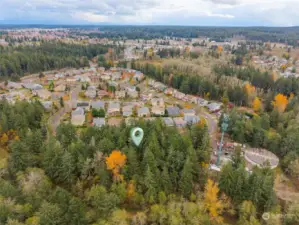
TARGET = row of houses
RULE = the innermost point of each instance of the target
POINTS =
(213, 106)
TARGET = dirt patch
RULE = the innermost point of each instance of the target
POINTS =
(285, 189)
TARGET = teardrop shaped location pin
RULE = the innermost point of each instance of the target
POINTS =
(137, 135)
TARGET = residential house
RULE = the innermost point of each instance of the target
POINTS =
(189, 112)
(143, 112)
(91, 92)
(60, 88)
(178, 95)
(116, 76)
(127, 110)
(114, 109)
(113, 84)
(169, 91)
(214, 107)
(94, 79)
(173, 111)
(192, 99)
(146, 97)
(138, 76)
(133, 94)
(83, 104)
(157, 110)
(98, 105)
(105, 77)
(42, 93)
(14, 85)
(168, 121)
(130, 88)
(78, 111)
(102, 93)
(160, 87)
(78, 117)
(191, 119)
(99, 122)
(159, 102)
(101, 69)
(120, 94)
(71, 80)
(59, 75)
(85, 79)
(179, 121)
(134, 104)
(32, 86)
(47, 105)
(202, 102)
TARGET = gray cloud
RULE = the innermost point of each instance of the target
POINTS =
(225, 2)
(200, 12)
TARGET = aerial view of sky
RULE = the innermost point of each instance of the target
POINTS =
(152, 12)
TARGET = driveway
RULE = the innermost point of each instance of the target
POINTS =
(55, 119)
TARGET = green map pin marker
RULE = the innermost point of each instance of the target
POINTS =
(137, 135)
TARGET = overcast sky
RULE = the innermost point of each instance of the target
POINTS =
(152, 12)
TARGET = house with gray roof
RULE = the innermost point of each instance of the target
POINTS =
(143, 112)
(78, 117)
(188, 112)
(114, 109)
(98, 105)
(168, 121)
(32, 86)
(99, 122)
(191, 119)
(47, 105)
(214, 106)
(173, 111)
(78, 111)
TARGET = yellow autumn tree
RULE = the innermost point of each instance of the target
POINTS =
(131, 189)
(212, 203)
(257, 104)
(4, 139)
(251, 92)
(280, 102)
(115, 162)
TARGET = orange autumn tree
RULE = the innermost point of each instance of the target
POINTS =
(257, 104)
(115, 162)
(280, 102)
(220, 49)
(212, 203)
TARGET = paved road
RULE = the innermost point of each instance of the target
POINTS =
(55, 119)
(202, 113)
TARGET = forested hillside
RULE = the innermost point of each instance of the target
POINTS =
(16, 61)
(99, 177)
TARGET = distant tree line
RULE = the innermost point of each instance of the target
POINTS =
(288, 35)
(17, 61)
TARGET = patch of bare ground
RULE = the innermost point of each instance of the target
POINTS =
(286, 189)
